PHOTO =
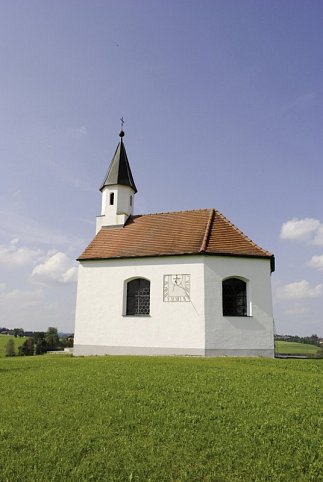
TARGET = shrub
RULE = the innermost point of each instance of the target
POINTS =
(10, 348)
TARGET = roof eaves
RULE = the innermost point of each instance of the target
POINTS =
(184, 253)
(129, 256)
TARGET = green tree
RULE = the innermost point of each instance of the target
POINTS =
(27, 348)
(10, 348)
(40, 343)
(314, 340)
(17, 332)
(52, 339)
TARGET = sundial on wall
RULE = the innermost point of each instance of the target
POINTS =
(176, 287)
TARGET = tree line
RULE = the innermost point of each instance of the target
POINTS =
(15, 332)
(310, 340)
(38, 343)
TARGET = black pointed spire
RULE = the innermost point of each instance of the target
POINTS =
(119, 171)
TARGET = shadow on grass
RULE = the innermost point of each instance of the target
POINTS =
(14, 369)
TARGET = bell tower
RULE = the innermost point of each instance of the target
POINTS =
(118, 190)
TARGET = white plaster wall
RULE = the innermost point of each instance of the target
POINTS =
(238, 333)
(120, 210)
(100, 303)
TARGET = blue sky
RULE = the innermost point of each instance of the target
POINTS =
(223, 103)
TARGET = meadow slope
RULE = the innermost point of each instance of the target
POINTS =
(296, 348)
(160, 419)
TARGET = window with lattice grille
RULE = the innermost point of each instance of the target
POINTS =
(234, 297)
(138, 297)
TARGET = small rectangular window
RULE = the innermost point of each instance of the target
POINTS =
(111, 198)
(130, 200)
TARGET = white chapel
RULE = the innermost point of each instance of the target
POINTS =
(178, 283)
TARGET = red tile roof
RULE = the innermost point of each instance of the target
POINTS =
(204, 231)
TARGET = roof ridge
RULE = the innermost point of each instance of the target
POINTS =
(242, 233)
(207, 231)
(173, 212)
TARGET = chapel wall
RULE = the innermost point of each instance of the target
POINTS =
(235, 335)
(171, 327)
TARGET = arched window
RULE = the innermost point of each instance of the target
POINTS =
(111, 198)
(234, 297)
(138, 297)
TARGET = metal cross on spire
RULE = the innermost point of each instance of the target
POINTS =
(122, 131)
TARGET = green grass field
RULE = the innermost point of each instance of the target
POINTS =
(4, 340)
(160, 419)
(291, 348)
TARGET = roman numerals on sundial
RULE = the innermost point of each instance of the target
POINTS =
(176, 287)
